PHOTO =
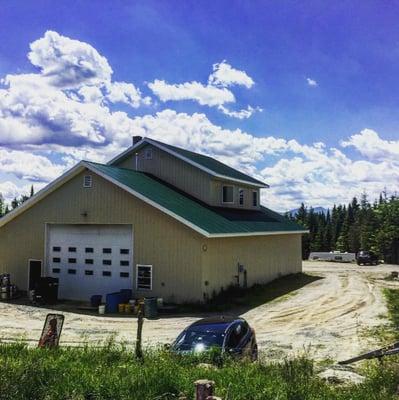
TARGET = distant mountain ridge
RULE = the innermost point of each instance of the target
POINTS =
(316, 210)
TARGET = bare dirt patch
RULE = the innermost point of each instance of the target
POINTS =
(328, 317)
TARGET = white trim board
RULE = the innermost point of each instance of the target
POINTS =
(181, 157)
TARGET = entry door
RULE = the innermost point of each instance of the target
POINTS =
(35, 272)
(90, 259)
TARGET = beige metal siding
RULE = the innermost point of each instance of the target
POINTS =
(173, 249)
(172, 170)
(264, 257)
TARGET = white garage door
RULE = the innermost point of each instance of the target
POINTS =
(90, 259)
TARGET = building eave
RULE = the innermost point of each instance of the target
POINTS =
(83, 165)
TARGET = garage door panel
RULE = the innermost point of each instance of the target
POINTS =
(90, 259)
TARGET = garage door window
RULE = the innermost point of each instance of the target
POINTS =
(56, 270)
(144, 277)
(124, 263)
(107, 251)
(88, 272)
(72, 249)
(57, 249)
(124, 251)
(107, 262)
(56, 260)
(72, 260)
(124, 274)
(106, 273)
(89, 249)
(72, 271)
(89, 261)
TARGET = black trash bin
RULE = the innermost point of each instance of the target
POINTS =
(47, 289)
(151, 307)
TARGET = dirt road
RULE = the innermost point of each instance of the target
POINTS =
(327, 317)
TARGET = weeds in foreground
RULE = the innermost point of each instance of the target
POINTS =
(112, 372)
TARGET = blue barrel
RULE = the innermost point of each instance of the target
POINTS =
(151, 307)
(95, 300)
(112, 301)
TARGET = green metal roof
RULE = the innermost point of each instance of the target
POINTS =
(212, 220)
(212, 164)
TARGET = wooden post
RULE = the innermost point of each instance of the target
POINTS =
(203, 389)
(140, 321)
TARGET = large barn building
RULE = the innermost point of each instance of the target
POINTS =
(157, 219)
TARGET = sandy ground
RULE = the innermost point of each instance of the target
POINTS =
(327, 318)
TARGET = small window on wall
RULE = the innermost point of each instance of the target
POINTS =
(72, 271)
(87, 181)
(124, 274)
(88, 272)
(228, 194)
(107, 251)
(148, 154)
(89, 250)
(124, 251)
(124, 263)
(56, 260)
(72, 260)
(56, 270)
(107, 262)
(89, 261)
(72, 249)
(241, 197)
(57, 249)
(255, 198)
(144, 277)
(106, 273)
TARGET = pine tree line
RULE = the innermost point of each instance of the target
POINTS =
(17, 201)
(353, 227)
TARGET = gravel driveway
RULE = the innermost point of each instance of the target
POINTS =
(327, 317)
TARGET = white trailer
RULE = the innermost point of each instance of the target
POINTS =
(332, 256)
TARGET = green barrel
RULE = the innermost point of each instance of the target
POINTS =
(151, 307)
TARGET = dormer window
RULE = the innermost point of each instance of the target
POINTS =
(255, 198)
(228, 194)
(241, 197)
(87, 181)
(148, 154)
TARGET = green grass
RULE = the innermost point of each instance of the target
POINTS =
(113, 373)
(392, 297)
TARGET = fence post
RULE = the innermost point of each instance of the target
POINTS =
(140, 320)
(203, 389)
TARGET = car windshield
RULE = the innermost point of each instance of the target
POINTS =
(201, 337)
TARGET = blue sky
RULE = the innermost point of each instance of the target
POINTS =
(321, 73)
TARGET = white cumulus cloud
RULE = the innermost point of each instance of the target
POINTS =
(204, 94)
(67, 62)
(311, 82)
(241, 114)
(213, 94)
(369, 144)
(225, 75)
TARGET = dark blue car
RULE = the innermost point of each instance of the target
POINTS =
(232, 335)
